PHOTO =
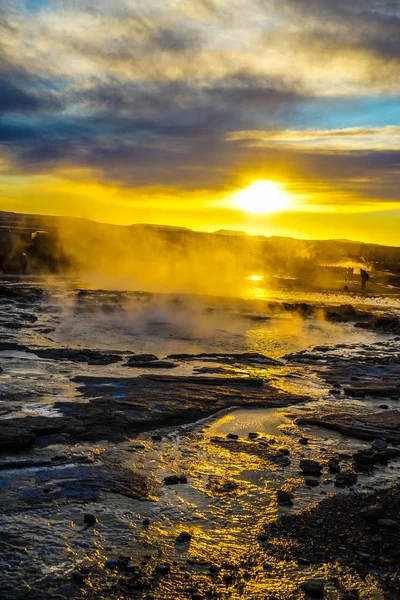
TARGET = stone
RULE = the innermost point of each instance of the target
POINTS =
(252, 435)
(182, 479)
(284, 451)
(383, 406)
(310, 467)
(90, 519)
(183, 537)
(79, 577)
(303, 441)
(310, 482)
(333, 465)
(284, 498)
(345, 479)
(163, 568)
(232, 436)
(388, 524)
(214, 569)
(379, 444)
(364, 459)
(146, 522)
(171, 480)
(314, 588)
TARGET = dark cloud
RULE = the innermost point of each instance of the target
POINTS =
(141, 124)
(16, 99)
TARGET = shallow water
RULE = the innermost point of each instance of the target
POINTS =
(230, 494)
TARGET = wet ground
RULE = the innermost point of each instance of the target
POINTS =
(159, 416)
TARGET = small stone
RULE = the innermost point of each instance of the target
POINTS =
(214, 569)
(388, 524)
(183, 537)
(182, 479)
(379, 444)
(310, 467)
(383, 406)
(163, 568)
(310, 482)
(79, 577)
(333, 465)
(252, 435)
(284, 498)
(171, 480)
(313, 588)
(284, 451)
(232, 436)
(156, 437)
(146, 522)
(303, 441)
(345, 479)
(111, 563)
(123, 561)
(90, 519)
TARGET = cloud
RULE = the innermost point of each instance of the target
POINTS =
(358, 139)
(192, 94)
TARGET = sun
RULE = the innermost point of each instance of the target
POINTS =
(262, 197)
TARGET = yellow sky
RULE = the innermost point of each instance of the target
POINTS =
(78, 192)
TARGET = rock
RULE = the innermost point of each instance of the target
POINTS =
(310, 467)
(252, 435)
(284, 451)
(183, 537)
(313, 588)
(346, 478)
(284, 461)
(123, 561)
(90, 519)
(310, 482)
(139, 358)
(232, 436)
(364, 459)
(333, 465)
(379, 444)
(146, 522)
(383, 406)
(182, 479)
(163, 568)
(284, 498)
(383, 456)
(15, 437)
(79, 577)
(111, 563)
(388, 524)
(372, 513)
(156, 437)
(303, 441)
(214, 569)
(171, 480)
(151, 364)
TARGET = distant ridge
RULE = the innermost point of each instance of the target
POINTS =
(9, 219)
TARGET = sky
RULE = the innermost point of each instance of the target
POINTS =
(162, 111)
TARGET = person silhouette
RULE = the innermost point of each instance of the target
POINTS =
(364, 278)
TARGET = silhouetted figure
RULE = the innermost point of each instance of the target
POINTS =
(364, 278)
(24, 263)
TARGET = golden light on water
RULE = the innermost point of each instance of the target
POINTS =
(262, 197)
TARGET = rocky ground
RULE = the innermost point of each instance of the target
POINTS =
(94, 446)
